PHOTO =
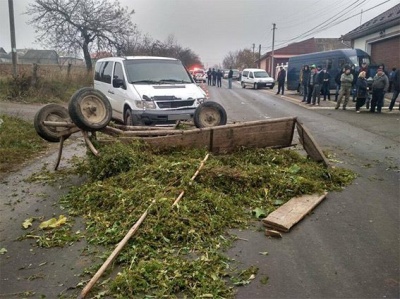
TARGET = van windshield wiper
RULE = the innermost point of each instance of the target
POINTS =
(145, 82)
(173, 81)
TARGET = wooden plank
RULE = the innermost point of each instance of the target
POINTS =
(310, 145)
(293, 211)
(222, 139)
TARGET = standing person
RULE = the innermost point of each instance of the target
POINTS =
(281, 80)
(337, 81)
(318, 81)
(209, 72)
(326, 84)
(305, 78)
(230, 75)
(311, 83)
(396, 89)
(380, 85)
(362, 91)
(346, 81)
(219, 76)
(353, 86)
(214, 76)
(364, 68)
(391, 77)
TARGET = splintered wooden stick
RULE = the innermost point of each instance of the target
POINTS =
(89, 143)
(114, 254)
(59, 152)
(130, 233)
(191, 180)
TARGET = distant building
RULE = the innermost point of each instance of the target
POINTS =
(282, 55)
(39, 57)
(65, 60)
(4, 57)
(379, 37)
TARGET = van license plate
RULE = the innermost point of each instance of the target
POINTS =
(179, 116)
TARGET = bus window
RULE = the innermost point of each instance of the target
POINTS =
(354, 60)
(341, 62)
(329, 63)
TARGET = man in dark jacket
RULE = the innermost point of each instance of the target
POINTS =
(326, 85)
(281, 80)
(318, 78)
(230, 76)
(305, 81)
(380, 85)
(396, 89)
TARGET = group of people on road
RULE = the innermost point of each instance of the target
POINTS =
(315, 82)
(214, 77)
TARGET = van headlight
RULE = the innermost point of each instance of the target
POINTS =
(200, 100)
(145, 104)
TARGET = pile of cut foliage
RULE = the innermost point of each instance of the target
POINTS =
(178, 251)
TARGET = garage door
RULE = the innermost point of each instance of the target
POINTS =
(387, 51)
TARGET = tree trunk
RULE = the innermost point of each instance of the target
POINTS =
(86, 55)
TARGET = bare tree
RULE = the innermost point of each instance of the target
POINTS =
(90, 25)
(168, 48)
(240, 59)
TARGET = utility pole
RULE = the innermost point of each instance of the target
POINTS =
(272, 55)
(361, 17)
(12, 33)
(259, 56)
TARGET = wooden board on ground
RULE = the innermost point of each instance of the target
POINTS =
(293, 211)
(309, 145)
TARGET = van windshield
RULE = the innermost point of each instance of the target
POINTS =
(156, 71)
(261, 74)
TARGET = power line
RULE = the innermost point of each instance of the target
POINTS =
(330, 24)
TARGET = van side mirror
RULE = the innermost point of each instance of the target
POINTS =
(117, 83)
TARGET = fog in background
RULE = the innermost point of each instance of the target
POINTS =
(213, 28)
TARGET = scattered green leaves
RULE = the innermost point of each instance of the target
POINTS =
(178, 250)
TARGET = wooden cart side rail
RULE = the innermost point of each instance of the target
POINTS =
(310, 145)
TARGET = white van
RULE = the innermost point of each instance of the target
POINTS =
(256, 78)
(147, 90)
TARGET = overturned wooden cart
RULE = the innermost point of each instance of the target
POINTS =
(90, 112)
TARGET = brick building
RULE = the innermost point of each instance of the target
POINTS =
(379, 37)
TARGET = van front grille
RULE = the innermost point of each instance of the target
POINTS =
(174, 104)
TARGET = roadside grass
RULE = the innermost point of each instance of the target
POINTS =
(18, 142)
(50, 84)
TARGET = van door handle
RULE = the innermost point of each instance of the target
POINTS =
(110, 91)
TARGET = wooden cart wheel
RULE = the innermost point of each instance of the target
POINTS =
(51, 112)
(90, 109)
(209, 114)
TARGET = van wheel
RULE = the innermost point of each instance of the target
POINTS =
(128, 119)
(50, 112)
(90, 109)
(255, 86)
(243, 85)
(209, 114)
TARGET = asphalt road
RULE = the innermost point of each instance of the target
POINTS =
(347, 248)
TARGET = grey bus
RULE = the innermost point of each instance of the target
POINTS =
(333, 61)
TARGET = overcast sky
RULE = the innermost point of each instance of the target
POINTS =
(213, 28)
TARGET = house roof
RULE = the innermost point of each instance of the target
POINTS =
(2, 51)
(387, 19)
(310, 45)
(43, 54)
